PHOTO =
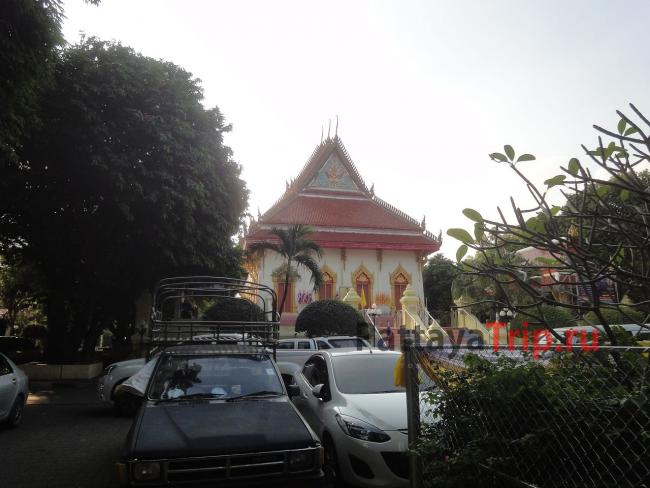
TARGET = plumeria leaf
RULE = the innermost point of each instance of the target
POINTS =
(526, 157)
(479, 231)
(574, 166)
(461, 234)
(601, 191)
(472, 214)
(460, 253)
(555, 181)
(500, 158)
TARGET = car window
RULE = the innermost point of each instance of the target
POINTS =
(5, 368)
(222, 376)
(285, 345)
(323, 345)
(354, 342)
(361, 373)
(315, 371)
(304, 345)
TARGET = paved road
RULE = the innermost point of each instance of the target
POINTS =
(67, 439)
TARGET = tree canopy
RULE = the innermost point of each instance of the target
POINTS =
(438, 275)
(126, 180)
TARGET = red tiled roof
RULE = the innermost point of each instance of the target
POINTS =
(349, 208)
(339, 212)
(360, 240)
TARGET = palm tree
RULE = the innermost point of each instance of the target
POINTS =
(294, 247)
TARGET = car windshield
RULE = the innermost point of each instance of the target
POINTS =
(223, 377)
(366, 373)
(340, 343)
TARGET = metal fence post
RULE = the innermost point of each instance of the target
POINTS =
(412, 409)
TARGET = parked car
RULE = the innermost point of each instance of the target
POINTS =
(298, 350)
(349, 399)
(114, 375)
(19, 349)
(318, 343)
(14, 390)
(215, 414)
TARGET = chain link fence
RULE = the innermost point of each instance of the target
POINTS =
(482, 418)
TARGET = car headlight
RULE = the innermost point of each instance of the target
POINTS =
(361, 430)
(301, 460)
(109, 369)
(147, 471)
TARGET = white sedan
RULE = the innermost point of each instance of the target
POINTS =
(14, 389)
(350, 400)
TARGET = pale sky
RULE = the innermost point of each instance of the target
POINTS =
(423, 90)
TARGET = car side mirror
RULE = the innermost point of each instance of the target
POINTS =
(293, 390)
(318, 392)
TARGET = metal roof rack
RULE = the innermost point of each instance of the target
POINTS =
(184, 310)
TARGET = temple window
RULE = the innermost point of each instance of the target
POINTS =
(327, 290)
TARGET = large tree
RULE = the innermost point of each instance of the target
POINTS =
(601, 236)
(126, 180)
(438, 275)
(30, 33)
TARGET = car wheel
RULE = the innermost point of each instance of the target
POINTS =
(16, 414)
(126, 405)
(331, 467)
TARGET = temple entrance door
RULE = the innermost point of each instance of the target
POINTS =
(400, 282)
(363, 286)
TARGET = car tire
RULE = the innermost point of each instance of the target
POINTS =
(16, 413)
(126, 405)
(331, 466)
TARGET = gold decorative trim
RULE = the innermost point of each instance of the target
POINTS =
(400, 270)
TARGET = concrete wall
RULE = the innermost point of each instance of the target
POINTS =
(42, 371)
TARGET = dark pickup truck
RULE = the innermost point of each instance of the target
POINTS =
(220, 415)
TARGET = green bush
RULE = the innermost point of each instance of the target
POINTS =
(233, 309)
(328, 317)
(555, 316)
(613, 316)
(522, 418)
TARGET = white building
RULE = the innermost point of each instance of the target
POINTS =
(368, 244)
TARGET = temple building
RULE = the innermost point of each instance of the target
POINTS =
(369, 245)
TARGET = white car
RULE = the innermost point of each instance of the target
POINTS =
(321, 343)
(14, 390)
(349, 400)
(114, 375)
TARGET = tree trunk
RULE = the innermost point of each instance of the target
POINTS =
(57, 330)
(287, 276)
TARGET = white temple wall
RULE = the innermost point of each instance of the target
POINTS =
(380, 265)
